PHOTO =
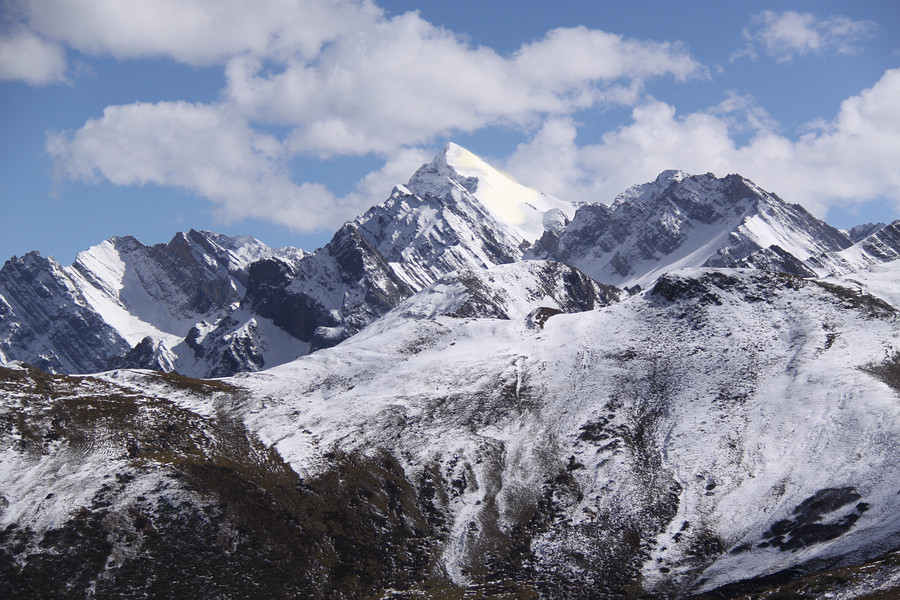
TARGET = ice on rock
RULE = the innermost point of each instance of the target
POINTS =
(555, 221)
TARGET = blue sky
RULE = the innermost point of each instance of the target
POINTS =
(282, 119)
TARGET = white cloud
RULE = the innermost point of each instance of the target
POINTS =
(27, 57)
(551, 162)
(850, 159)
(654, 141)
(204, 149)
(215, 154)
(340, 76)
(743, 113)
(197, 32)
(784, 35)
(404, 82)
(345, 80)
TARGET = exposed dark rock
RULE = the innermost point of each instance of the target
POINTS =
(43, 324)
(804, 527)
(144, 355)
(775, 259)
(330, 295)
(538, 317)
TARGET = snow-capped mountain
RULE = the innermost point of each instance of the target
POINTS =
(122, 302)
(679, 221)
(456, 212)
(211, 305)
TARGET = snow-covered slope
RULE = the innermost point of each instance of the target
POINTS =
(121, 302)
(879, 247)
(529, 289)
(521, 208)
(881, 280)
(666, 417)
(681, 221)
(457, 444)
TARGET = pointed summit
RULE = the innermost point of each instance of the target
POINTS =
(519, 207)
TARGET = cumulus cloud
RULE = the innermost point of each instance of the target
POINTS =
(840, 162)
(552, 162)
(197, 32)
(784, 35)
(340, 76)
(343, 79)
(204, 149)
(743, 113)
(27, 57)
(213, 153)
(404, 82)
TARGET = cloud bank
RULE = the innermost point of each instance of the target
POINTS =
(341, 76)
(850, 158)
(344, 79)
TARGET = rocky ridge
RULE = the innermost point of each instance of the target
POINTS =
(682, 220)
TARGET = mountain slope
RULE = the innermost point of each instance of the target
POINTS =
(665, 418)
(879, 247)
(122, 302)
(455, 213)
(490, 424)
(637, 448)
(680, 221)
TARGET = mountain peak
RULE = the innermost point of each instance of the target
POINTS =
(650, 191)
(517, 206)
(670, 175)
(680, 220)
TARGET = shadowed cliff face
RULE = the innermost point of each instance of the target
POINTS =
(329, 296)
(42, 322)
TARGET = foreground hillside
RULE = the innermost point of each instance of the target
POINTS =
(719, 427)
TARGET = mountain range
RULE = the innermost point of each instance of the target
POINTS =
(473, 390)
